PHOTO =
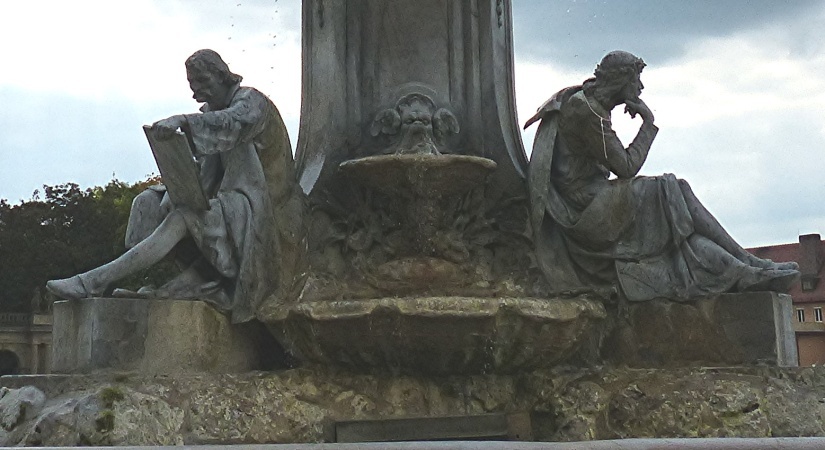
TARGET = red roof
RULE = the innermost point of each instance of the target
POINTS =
(793, 252)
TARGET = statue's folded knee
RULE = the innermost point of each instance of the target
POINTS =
(146, 214)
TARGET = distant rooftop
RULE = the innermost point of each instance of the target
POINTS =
(809, 252)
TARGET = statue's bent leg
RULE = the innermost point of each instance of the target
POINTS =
(730, 272)
(149, 208)
(143, 255)
(706, 225)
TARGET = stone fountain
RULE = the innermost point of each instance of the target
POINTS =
(413, 283)
(410, 155)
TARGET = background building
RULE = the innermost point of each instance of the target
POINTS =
(808, 294)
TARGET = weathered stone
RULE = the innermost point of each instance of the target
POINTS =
(17, 405)
(106, 415)
(140, 417)
(302, 405)
(728, 329)
(437, 335)
(70, 421)
(152, 336)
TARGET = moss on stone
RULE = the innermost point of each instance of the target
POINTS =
(111, 394)
(105, 421)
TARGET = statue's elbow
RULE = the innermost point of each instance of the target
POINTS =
(625, 173)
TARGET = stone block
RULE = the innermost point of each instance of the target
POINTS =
(149, 336)
(728, 329)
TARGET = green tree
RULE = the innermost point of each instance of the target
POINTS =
(69, 231)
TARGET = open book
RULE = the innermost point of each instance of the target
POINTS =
(178, 170)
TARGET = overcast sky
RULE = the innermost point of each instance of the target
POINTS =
(737, 86)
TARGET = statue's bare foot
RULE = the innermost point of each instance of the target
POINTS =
(68, 288)
(144, 292)
(790, 265)
(768, 264)
(776, 280)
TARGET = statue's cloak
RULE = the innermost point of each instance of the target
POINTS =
(252, 226)
(635, 232)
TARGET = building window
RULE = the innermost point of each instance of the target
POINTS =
(818, 314)
(800, 315)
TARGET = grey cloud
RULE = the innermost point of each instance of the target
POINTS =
(577, 33)
(240, 18)
(776, 168)
(53, 139)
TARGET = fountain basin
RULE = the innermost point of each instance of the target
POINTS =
(437, 335)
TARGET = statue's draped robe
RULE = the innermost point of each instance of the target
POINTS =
(593, 231)
(247, 173)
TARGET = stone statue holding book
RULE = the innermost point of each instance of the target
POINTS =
(240, 247)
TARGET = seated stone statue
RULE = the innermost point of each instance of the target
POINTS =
(650, 237)
(246, 171)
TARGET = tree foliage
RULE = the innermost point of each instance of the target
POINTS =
(67, 232)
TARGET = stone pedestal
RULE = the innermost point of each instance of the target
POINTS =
(728, 329)
(148, 336)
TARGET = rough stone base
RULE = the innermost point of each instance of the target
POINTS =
(303, 405)
(149, 336)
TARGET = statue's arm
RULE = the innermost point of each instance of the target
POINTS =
(219, 131)
(595, 137)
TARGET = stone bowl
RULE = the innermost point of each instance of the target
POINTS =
(421, 174)
(437, 335)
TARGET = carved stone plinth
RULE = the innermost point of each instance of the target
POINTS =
(729, 329)
(148, 336)
(437, 335)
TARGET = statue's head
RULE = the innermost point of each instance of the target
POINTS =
(619, 73)
(209, 77)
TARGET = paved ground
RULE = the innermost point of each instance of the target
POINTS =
(627, 444)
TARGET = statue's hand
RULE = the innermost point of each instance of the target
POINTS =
(638, 107)
(164, 129)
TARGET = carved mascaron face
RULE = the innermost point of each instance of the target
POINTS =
(416, 117)
(420, 128)
(416, 128)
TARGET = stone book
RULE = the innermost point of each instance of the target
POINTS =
(178, 170)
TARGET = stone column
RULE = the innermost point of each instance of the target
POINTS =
(361, 56)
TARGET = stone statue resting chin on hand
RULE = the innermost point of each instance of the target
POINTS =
(649, 236)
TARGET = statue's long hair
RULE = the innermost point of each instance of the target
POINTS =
(210, 61)
(614, 70)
